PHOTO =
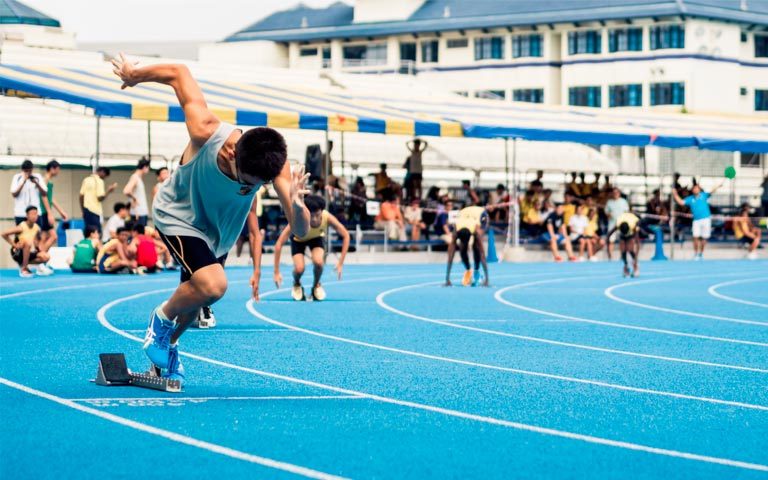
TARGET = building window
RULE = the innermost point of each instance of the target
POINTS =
(457, 43)
(585, 97)
(667, 94)
(429, 51)
(743, 36)
(463, 93)
(530, 95)
(761, 45)
(357, 55)
(326, 57)
(625, 40)
(585, 41)
(667, 36)
(526, 46)
(489, 48)
(750, 160)
(625, 95)
(408, 51)
(308, 52)
(761, 100)
(491, 94)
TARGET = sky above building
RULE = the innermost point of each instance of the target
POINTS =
(160, 20)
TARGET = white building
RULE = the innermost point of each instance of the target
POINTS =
(684, 55)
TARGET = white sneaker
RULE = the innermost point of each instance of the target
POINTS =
(297, 292)
(26, 274)
(593, 259)
(318, 293)
(752, 256)
(44, 270)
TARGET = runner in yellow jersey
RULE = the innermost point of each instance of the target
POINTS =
(468, 229)
(628, 226)
(319, 221)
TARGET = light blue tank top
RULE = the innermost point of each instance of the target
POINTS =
(200, 201)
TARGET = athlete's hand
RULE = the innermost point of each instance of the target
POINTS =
(64, 216)
(124, 69)
(278, 279)
(339, 269)
(299, 185)
(255, 285)
(112, 187)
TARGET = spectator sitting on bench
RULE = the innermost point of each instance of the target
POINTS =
(442, 224)
(532, 220)
(556, 234)
(745, 232)
(113, 256)
(25, 245)
(498, 213)
(389, 218)
(84, 258)
(414, 222)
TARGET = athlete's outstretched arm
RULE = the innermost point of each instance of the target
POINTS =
(278, 249)
(291, 187)
(451, 253)
(254, 242)
(201, 122)
(344, 234)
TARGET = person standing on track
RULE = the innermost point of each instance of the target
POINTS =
(200, 211)
(92, 193)
(698, 202)
(135, 190)
(314, 240)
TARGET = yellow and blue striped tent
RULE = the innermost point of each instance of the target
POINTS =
(252, 104)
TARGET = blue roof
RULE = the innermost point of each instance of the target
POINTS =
(336, 21)
(13, 12)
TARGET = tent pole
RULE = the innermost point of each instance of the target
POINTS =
(326, 171)
(506, 163)
(514, 186)
(342, 155)
(672, 212)
(98, 143)
(149, 140)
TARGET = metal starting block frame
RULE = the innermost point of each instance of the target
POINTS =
(113, 371)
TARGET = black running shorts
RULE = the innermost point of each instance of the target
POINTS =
(298, 247)
(191, 253)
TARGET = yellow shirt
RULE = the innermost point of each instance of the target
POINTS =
(469, 218)
(569, 210)
(630, 219)
(315, 232)
(28, 234)
(592, 227)
(738, 232)
(103, 251)
(91, 189)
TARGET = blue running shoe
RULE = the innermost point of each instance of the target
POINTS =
(476, 278)
(175, 369)
(157, 341)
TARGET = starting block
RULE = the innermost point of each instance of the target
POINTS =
(113, 371)
(205, 319)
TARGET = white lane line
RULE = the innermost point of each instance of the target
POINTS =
(609, 293)
(101, 315)
(235, 330)
(596, 383)
(384, 305)
(183, 399)
(87, 285)
(713, 291)
(499, 297)
(175, 437)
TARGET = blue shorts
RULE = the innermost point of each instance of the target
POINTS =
(547, 238)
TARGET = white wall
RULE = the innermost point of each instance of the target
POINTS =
(262, 53)
(382, 10)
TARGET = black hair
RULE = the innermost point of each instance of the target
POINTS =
(31, 207)
(261, 152)
(105, 170)
(466, 182)
(89, 229)
(500, 187)
(27, 165)
(315, 203)
(624, 228)
(119, 206)
(122, 229)
(142, 163)
(129, 226)
(138, 228)
(51, 165)
(157, 172)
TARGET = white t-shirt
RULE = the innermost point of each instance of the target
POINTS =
(615, 209)
(140, 209)
(29, 194)
(578, 224)
(112, 225)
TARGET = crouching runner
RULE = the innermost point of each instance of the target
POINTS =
(319, 221)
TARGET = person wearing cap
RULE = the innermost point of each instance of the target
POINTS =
(28, 190)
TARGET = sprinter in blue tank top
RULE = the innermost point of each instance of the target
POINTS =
(200, 211)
